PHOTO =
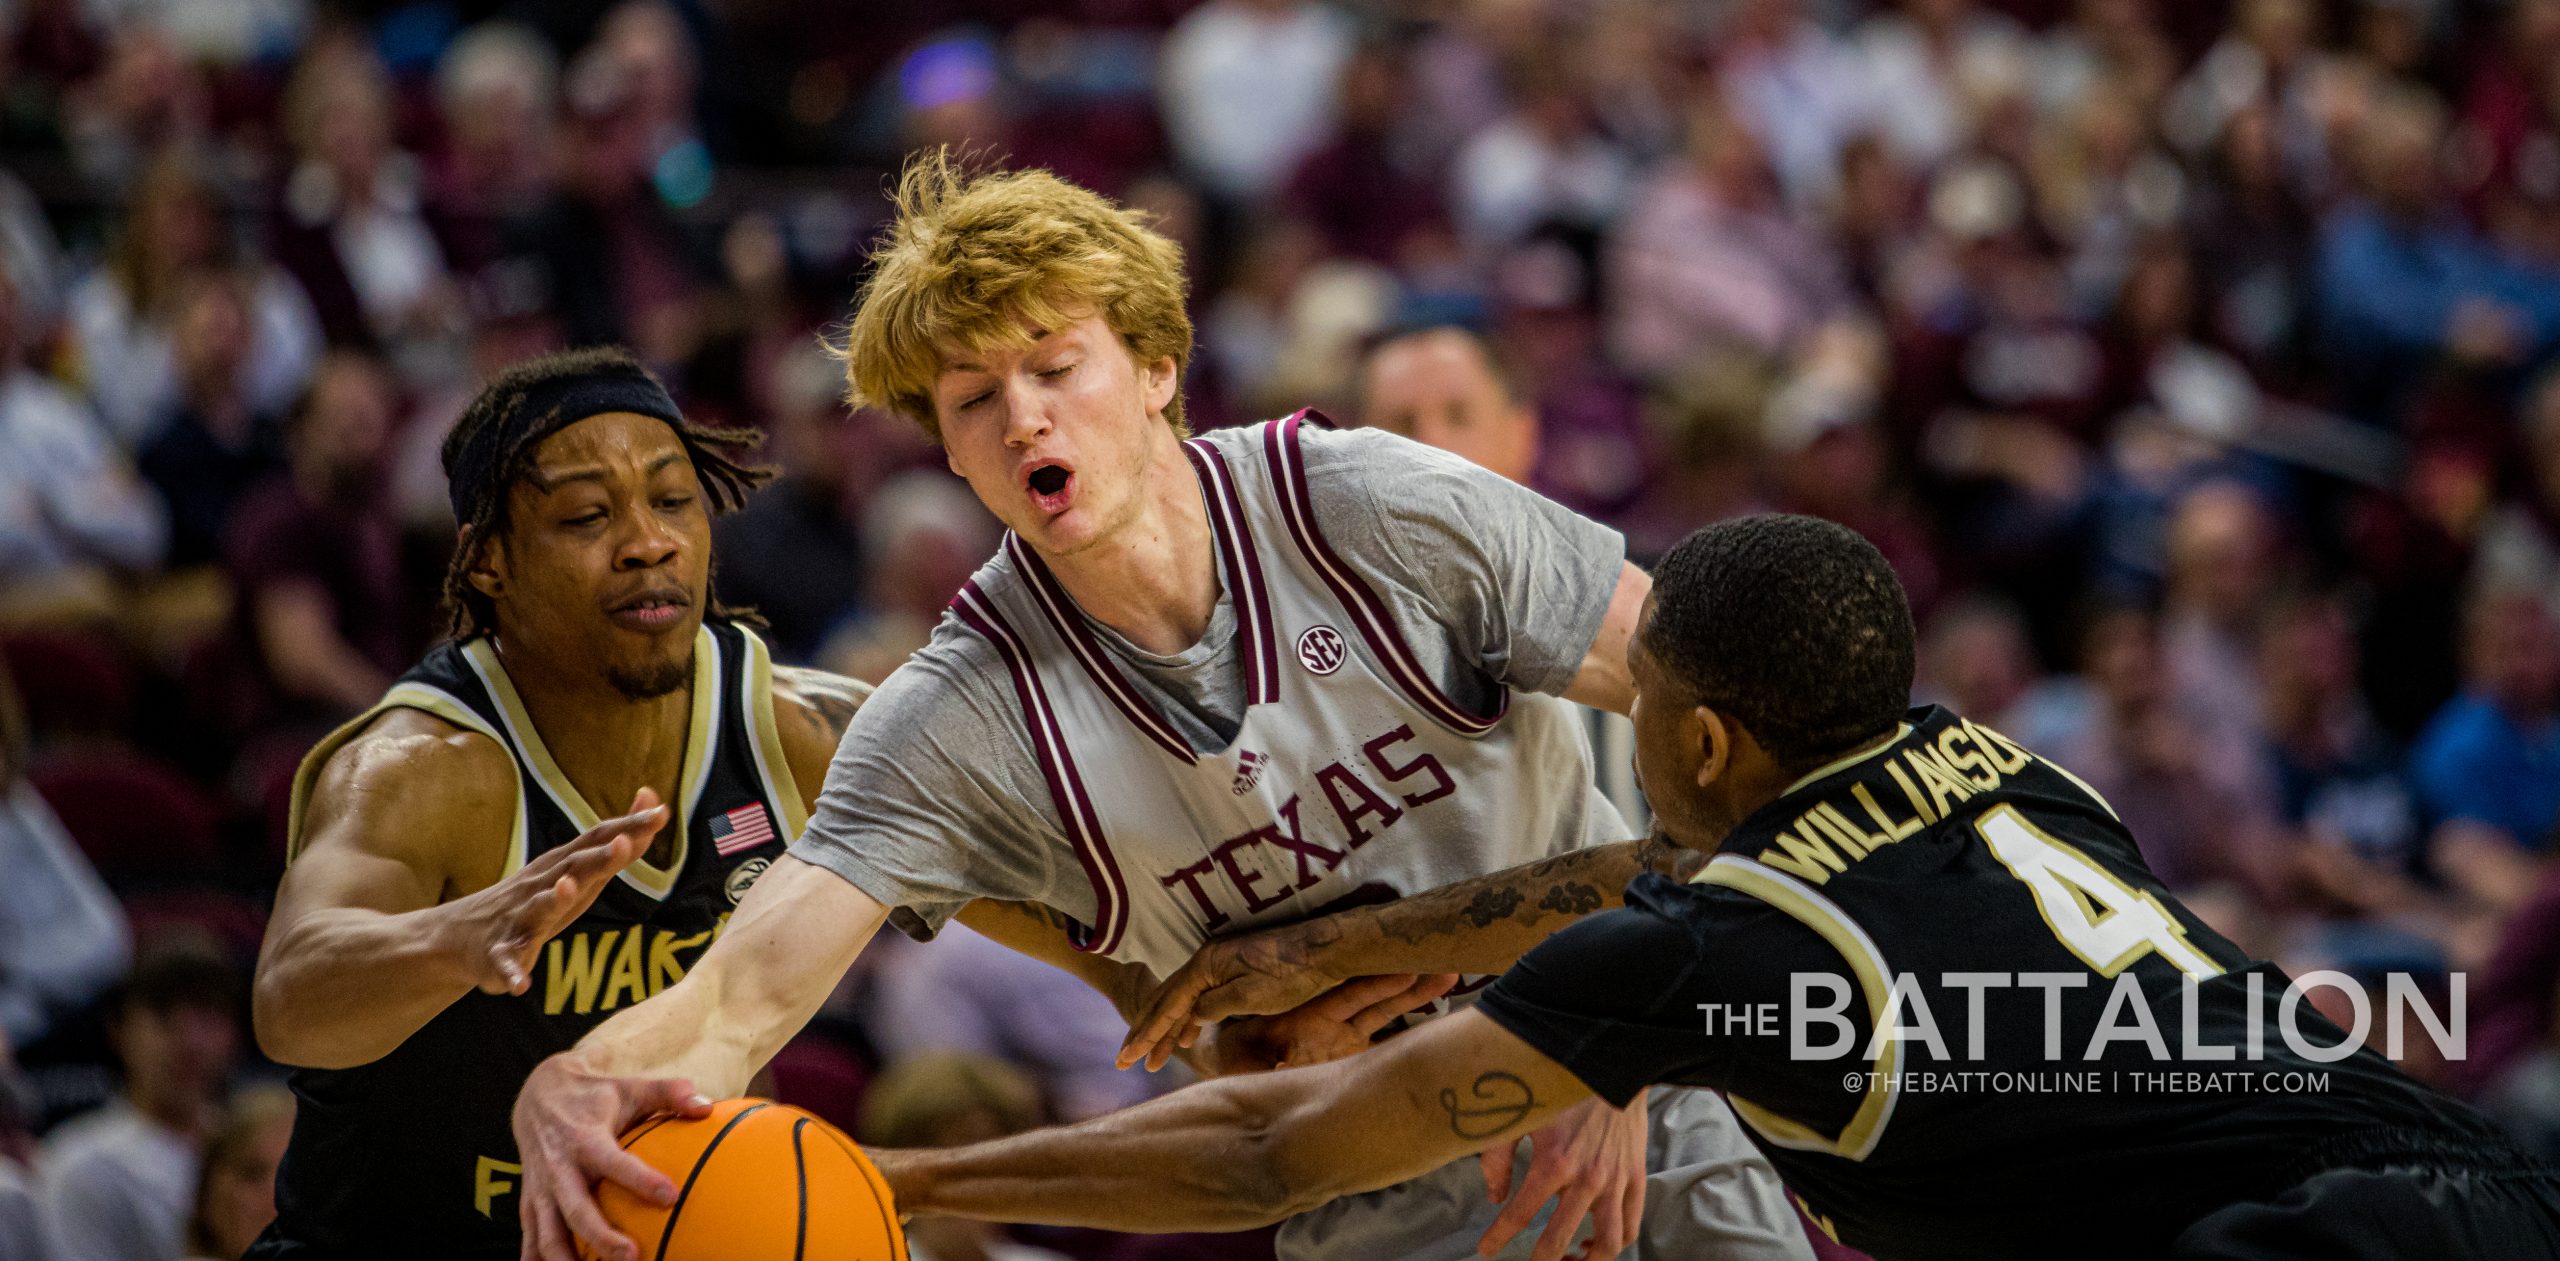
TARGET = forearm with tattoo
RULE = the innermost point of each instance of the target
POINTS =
(1484, 925)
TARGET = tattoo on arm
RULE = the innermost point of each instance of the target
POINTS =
(1570, 885)
(1493, 1103)
(1490, 906)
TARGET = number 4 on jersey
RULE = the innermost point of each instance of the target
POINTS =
(2097, 917)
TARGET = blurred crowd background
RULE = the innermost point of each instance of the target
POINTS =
(2193, 362)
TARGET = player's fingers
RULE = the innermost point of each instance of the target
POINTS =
(551, 1239)
(1421, 993)
(1522, 1207)
(588, 1223)
(645, 1099)
(1565, 1224)
(1608, 1221)
(1631, 1213)
(634, 1175)
(1496, 1162)
(512, 976)
(1346, 1001)
(1164, 1012)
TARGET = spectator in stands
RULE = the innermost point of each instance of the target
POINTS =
(1371, 188)
(314, 554)
(2403, 283)
(1442, 387)
(2487, 767)
(2340, 779)
(1249, 88)
(1798, 89)
(1544, 163)
(220, 443)
(2223, 557)
(124, 317)
(147, 95)
(70, 503)
(1937, 63)
(1976, 660)
(949, 1100)
(608, 255)
(119, 1182)
(2193, 793)
(1708, 257)
(350, 228)
(2520, 542)
(924, 534)
(236, 1192)
(498, 86)
(62, 936)
(793, 553)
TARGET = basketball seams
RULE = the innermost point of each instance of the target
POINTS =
(879, 1197)
(667, 1235)
(644, 1131)
(800, 1171)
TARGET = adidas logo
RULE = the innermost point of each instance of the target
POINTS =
(1249, 766)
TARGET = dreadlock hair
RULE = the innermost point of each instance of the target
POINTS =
(501, 405)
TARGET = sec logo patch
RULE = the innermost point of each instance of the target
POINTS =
(1321, 649)
(744, 878)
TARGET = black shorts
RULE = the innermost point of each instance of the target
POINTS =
(2395, 1213)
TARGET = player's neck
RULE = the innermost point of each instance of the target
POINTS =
(1154, 579)
(608, 744)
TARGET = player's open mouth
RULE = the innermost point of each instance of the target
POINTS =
(651, 611)
(1052, 486)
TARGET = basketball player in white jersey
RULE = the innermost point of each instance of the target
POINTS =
(1204, 686)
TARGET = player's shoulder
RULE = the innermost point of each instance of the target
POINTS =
(400, 748)
(955, 692)
(430, 774)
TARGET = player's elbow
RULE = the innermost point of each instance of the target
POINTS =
(292, 1028)
(1280, 1170)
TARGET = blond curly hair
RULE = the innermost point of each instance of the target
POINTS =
(974, 259)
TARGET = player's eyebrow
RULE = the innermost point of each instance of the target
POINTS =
(547, 483)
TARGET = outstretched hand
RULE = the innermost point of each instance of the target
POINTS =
(504, 926)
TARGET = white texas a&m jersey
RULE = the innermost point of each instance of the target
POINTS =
(1354, 777)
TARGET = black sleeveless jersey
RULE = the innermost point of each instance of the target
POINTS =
(2050, 1084)
(411, 1155)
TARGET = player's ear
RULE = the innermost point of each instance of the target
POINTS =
(1715, 746)
(487, 570)
(1160, 379)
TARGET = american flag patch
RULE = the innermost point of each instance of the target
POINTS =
(741, 829)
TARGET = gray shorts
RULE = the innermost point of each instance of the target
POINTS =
(1710, 1197)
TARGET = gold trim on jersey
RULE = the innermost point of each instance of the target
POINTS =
(701, 738)
(425, 699)
(1799, 900)
(755, 684)
(1834, 768)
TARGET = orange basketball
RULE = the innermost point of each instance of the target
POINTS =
(756, 1181)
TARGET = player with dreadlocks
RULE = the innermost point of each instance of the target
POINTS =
(458, 903)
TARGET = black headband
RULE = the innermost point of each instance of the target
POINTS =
(546, 408)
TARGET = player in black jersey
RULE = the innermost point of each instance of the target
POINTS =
(455, 910)
(2102, 1082)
